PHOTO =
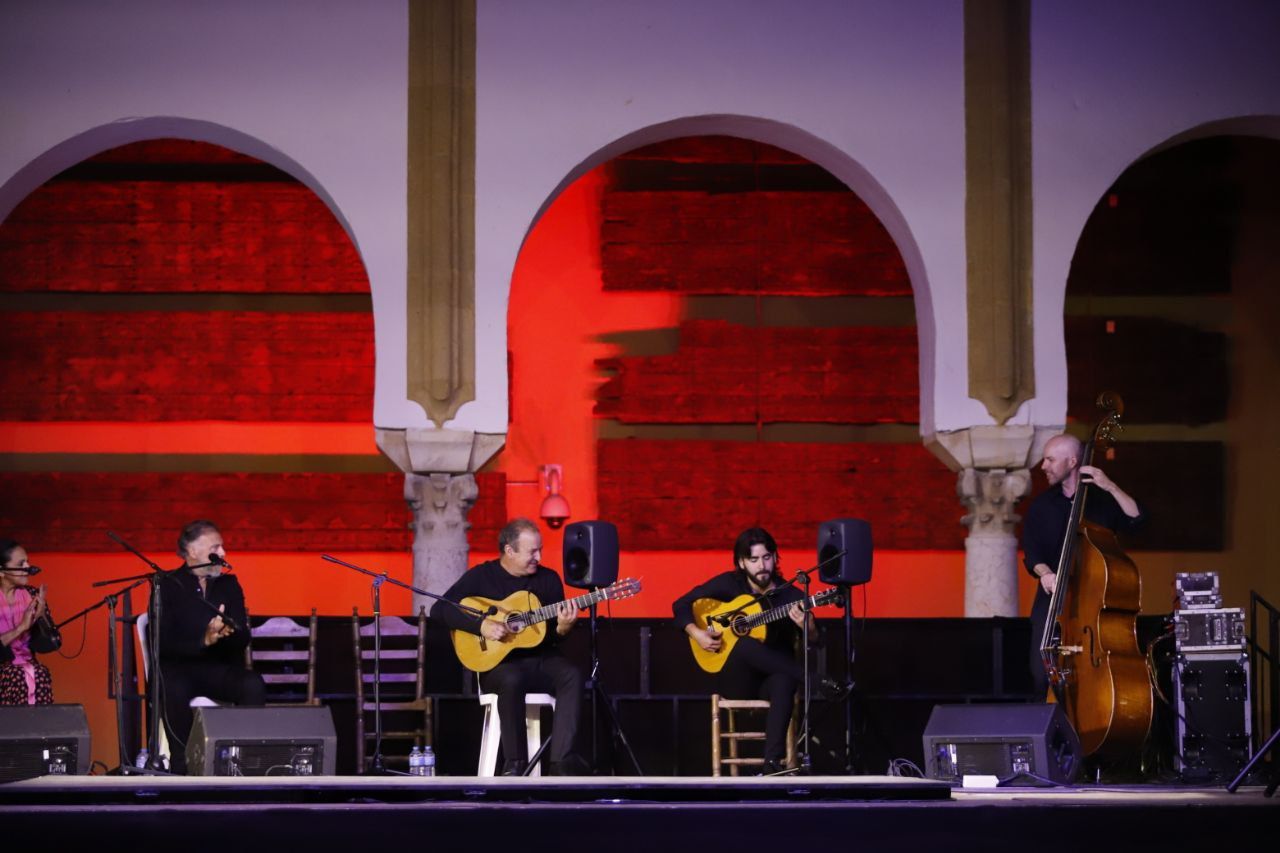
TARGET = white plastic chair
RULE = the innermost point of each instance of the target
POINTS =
(491, 730)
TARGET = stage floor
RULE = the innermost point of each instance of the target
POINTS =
(625, 813)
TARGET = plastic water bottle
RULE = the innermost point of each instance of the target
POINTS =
(144, 757)
(416, 767)
(428, 761)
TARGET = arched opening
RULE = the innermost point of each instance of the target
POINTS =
(711, 332)
(1170, 303)
(189, 334)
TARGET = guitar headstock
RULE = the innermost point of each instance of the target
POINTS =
(834, 595)
(624, 588)
(1104, 434)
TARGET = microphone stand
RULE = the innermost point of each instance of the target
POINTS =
(804, 759)
(115, 676)
(379, 578)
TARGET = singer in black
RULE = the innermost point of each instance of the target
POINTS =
(757, 670)
(203, 635)
(1045, 528)
(540, 669)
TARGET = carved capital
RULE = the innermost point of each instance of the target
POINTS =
(440, 504)
(991, 496)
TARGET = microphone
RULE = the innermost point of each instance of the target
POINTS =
(218, 561)
(30, 570)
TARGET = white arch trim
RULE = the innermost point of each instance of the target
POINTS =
(94, 141)
(848, 170)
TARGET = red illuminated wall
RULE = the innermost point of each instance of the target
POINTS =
(711, 334)
(158, 291)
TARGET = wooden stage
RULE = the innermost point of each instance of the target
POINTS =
(626, 813)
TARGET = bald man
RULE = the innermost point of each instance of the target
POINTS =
(1045, 527)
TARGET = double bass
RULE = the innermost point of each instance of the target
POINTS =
(1089, 648)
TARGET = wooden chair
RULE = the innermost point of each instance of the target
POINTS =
(283, 652)
(406, 711)
(734, 736)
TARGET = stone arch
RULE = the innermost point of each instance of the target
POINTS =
(820, 152)
(103, 137)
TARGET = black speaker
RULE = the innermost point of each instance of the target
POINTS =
(590, 554)
(262, 742)
(1002, 741)
(853, 536)
(43, 740)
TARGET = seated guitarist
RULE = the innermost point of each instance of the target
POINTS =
(541, 669)
(755, 669)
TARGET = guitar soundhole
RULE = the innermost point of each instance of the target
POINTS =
(516, 623)
(739, 626)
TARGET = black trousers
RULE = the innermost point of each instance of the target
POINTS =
(756, 671)
(1039, 615)
(549, 672)
(183, 681)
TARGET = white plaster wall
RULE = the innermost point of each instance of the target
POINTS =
(317, 87)
(1111, 82)
(871, 90)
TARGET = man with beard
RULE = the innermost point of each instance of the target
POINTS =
(755, 669)
(1045, 528)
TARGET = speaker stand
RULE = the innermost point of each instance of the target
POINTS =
(849, 652)
(599, 696)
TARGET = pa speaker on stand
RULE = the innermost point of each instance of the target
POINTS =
(844, 560)
(590, 554)
(590, 561)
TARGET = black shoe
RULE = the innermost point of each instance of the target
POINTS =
(572, 765)
(514, 768)
(769, 768)
(832, 690)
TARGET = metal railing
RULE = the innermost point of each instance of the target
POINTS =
(1264, 661)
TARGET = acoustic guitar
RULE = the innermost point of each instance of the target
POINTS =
(743, 617)
(524, 617)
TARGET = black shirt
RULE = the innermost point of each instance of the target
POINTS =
(184, 617)
(731, 584)
(1045, 525)
(489, 580)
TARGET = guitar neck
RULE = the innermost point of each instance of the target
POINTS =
(582, 602)
(773, 614)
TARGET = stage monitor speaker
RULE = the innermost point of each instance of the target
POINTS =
(1004, 741)
(274, 741)
(853, 536)
(590, 554)
(43, 740)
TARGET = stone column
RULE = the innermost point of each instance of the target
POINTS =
(440, 488)
(991, 548)
(994, 467)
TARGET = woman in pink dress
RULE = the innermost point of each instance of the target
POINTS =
(25, 629)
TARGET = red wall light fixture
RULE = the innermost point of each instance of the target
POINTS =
(554, 509)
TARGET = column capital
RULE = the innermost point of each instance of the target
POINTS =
(442, 451)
